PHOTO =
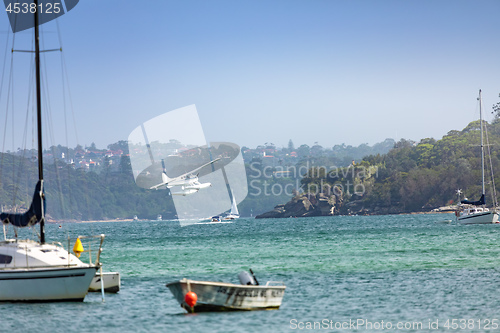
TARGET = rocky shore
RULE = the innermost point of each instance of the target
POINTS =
(304, 205)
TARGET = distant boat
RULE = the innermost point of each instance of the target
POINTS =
(220, 296)
(475, 212)
(37, 271)
(233, 213)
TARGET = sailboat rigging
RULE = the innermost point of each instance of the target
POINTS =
(475, 212)
(37, 271)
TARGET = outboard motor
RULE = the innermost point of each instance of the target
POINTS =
(246, 279)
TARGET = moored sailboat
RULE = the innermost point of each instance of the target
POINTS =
(476, 212)
(38, 271)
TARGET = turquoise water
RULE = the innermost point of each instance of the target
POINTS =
(405, 269)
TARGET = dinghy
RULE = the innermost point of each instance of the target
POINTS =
(203, 296)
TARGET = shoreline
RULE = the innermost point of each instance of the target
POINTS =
(52, 221)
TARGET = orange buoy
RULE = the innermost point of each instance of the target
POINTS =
(191, 298)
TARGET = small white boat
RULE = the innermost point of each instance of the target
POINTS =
(110, 281)
(220, 296)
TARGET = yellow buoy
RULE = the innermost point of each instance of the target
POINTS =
(78, 248)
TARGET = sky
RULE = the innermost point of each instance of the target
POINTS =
(325, 71)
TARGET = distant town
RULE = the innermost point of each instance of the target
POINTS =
(93, 159)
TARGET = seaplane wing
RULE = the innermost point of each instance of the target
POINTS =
(185, 179)
(199, 168)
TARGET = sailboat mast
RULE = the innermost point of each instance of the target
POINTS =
(482, 143)
(39, 116)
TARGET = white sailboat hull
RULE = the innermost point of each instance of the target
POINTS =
(231, 217)
(479, 218)
(44, 285)
(219, 296)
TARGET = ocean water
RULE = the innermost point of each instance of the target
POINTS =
(411, 273)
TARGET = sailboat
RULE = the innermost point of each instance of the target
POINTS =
(475, 212)
(38, 271)
(233, 213)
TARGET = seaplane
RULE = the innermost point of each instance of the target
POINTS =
(188, 182)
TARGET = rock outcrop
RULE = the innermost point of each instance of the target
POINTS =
(304, 205)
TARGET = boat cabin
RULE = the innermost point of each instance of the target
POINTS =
(15, 255)
(473, 210)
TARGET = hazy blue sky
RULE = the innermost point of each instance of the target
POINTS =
(268, 71)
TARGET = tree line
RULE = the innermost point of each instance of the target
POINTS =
(415, 177)
(411, 177)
